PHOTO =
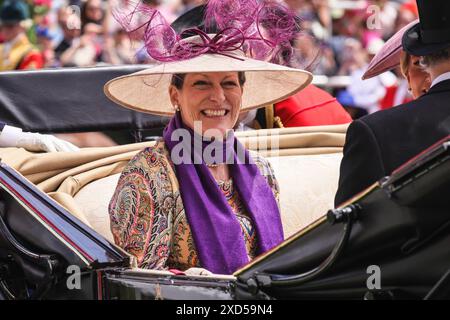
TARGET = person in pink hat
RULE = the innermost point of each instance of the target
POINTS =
(391, 56)
(378, 144)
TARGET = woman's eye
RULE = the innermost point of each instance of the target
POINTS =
(229, 84)
(200, 83)
(416, 63)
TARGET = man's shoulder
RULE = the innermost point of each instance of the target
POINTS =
(394, 116)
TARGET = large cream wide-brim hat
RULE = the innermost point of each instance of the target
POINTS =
(148, 90)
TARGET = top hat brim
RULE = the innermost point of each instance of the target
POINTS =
(413, 44)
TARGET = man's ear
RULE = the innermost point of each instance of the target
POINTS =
(174, 95)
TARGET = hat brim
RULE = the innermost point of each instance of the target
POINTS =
(148, 90)
(388, 57)
(413, 43)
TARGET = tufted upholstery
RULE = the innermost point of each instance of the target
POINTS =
(94, 204)
(307, 184)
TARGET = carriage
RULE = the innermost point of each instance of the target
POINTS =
(388, 242)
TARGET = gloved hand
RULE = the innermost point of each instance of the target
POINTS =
(197, 272)
(44, 142)
(14, 137)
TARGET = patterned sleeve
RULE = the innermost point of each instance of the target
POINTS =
(140, 217)
(267, 171)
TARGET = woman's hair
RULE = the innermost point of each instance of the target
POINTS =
(178, 79)
(435, 58)
(405, 58)
(84, 16)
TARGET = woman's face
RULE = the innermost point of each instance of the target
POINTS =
(214, 99)
(94, 10)
(419, 80)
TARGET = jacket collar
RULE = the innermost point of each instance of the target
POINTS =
(439, 87)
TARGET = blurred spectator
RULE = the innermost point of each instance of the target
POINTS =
(92, 11)
(70, 25)
(352, 57)
(119, 49)
(314, 55)
(387, 16)
(347, 101)
(337, 37)
(86, 50)
(44, 41)
(368, 94)
(408, 12)
(311, 107)
(314, 16)
(347, 29)
(16, 51)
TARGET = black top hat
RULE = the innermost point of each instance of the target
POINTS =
(193, 18)
(432, 33)
(13, 11)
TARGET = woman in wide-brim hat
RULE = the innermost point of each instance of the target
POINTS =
(392, 55)
(183, 210)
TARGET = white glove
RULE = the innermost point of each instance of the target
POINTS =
(197, 272)
(14, 137)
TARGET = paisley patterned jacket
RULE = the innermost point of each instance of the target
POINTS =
(148, 218)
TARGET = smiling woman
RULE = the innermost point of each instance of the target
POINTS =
(214, 99)
(218, 213)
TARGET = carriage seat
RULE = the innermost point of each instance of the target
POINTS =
(307, 187)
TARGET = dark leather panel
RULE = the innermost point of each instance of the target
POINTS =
(68, 100)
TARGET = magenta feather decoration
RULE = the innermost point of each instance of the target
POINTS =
(262, 29)
(237, 14)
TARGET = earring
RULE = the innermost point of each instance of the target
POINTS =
(177, 108)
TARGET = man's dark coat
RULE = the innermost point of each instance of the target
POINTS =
(381, 142)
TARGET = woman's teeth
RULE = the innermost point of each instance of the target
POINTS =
(214, 113)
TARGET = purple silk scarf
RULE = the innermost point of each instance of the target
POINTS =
(217, 234)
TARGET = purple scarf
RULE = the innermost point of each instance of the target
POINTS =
(217, 233)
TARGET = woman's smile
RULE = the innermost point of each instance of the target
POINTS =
(214, 99)
(215, 113)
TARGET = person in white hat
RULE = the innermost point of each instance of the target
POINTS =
(178, 208)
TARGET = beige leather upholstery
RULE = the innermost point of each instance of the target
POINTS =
(306, 166)
(307, 187)
(308, 184)
(94, 199)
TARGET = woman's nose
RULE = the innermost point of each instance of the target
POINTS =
(217, 94)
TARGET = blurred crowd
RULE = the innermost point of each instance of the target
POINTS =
(339, 38)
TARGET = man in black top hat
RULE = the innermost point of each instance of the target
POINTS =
(379, 143)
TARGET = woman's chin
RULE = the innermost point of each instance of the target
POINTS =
(216, 132)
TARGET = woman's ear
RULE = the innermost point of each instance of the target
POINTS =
(408, 78)
(174, 96)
